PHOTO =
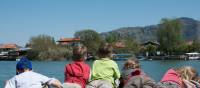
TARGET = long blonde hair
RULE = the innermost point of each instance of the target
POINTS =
(188, 73)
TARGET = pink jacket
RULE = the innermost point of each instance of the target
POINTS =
(172, 76)
(77, 72)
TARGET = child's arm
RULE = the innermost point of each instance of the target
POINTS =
(116, 72)
(10, 83)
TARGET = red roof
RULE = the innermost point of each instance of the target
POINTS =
(189, 42)
(8, 46)
(69, 39)
(119, 44)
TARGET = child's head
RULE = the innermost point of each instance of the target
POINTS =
(132, 63)
(188, 73)
(23, 65)
(105, 51)
(79, 53)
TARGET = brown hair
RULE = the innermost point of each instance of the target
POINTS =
(188, 73)
(105, 51)
(132, 63)
(79, 52)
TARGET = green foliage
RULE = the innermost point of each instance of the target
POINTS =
(169, 35)
(131, 45)
(42, 42)
(182, 48)
(151, 49)
(195, 47)
(43, 47)
(111, 38)
(89, 38)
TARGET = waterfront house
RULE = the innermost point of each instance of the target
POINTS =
(7, 50)
(150, 48)
(69, 41)
(119, 44)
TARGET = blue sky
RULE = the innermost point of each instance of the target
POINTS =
(22, 19)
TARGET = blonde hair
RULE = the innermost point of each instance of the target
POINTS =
(188, 73)
(132, 63)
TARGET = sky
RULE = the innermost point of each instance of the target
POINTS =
(22, 19)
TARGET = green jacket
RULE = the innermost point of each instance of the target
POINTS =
(105, 69)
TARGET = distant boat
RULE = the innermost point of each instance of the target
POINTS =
(122, 56)
(193, 56)
(17, 59)
(141, 58)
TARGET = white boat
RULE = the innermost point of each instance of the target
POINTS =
(193, 56)
(18, 59)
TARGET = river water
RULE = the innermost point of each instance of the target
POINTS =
(154, 69)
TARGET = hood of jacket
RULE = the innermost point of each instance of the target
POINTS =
(76, 69)
(172, 76)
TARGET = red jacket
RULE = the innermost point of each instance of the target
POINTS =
(77, 72)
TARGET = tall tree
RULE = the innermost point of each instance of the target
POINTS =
(90, 38)
(169, 35)
(42, 42)
(43, 47)
(132, 46)
(112, 38)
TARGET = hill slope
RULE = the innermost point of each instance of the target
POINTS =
(190, 31)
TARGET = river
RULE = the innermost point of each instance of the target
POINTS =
(154, 69)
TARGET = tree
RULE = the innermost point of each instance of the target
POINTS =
(195, 46)
(169, 35)
(151, 49)
(43, 47)
(112, 38)
(132, 46)
(42, 42)
(90, 38)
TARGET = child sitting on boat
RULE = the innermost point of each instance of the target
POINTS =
(184, 77)
(133, 76)
(26, 78)
(77, 73)
(104, 71)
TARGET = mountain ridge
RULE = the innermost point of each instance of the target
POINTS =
(190, 31)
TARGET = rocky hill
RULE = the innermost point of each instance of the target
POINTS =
(190, 31)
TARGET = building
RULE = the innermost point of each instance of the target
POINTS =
(155, 43)
(9, 50)
(8, 47)
(69, 41)
(119, 44)
(150, 48)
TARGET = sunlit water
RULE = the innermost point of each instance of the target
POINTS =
(154, 69)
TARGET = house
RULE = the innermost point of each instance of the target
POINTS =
(150, 48)
(8, 47)
(155, 43)
(119, 44)
(69, 41)
(8, 50)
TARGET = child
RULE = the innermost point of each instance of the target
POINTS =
(26, 78)
(189, 77)
(105, 71)
(171, 79)
(133, 76)
(131, 68)
(184, 77)
(77, 72)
